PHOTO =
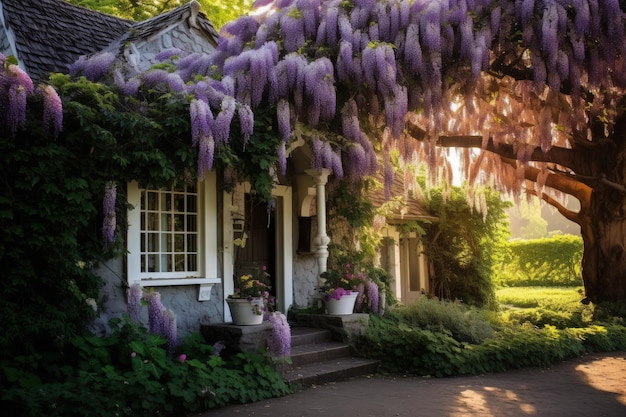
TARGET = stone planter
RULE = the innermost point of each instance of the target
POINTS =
(345, 305)
(246, 312)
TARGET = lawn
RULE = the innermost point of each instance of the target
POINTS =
(526, 297)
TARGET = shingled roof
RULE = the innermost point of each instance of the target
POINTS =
(150, 27)
(47, 35)
(410, 209)
(50, 34)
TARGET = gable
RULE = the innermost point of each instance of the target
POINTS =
(184, 28)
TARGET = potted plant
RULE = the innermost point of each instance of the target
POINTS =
(340, 289)
(251, 300)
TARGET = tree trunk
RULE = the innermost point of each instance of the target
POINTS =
(603, 229)
(604, 259)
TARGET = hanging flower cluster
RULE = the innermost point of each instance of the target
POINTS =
(161, 321)
(15, 87)
(134, 294)
(280, 342)
(351, 76)
(396, 56)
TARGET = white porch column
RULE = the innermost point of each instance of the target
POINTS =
(320, 177)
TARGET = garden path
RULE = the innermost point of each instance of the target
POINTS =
(591, 385)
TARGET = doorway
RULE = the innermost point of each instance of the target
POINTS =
(259, 249)
(413, 274)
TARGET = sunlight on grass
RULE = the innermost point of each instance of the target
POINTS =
(527, 297)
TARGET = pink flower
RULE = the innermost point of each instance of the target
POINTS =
(182, 358)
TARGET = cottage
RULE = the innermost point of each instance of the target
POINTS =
(189, 242)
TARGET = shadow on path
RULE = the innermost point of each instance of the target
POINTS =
(591, 386)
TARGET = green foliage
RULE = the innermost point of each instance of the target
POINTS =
(464, 245)
(463, 323)
(51, 202)
(560, 307)
(129, 373)
(554, 261)
(415, 348)
(255, 159)
(219, 12)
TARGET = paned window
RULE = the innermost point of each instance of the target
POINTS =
(169, 230)
(169, 242)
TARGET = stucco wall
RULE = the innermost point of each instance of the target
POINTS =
(182, 300)
(304, 280)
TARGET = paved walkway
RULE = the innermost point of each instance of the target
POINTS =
(590, 386)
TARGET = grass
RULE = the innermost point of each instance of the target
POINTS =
(527, 297)
(557, 306)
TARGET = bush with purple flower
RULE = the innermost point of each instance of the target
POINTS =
(340, 282)
(352, 278)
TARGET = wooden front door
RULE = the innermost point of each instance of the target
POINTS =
(260, 246)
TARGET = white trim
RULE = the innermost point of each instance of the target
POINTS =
(284, 244)
(178, 281)
(208, 245)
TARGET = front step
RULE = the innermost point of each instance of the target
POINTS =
(317, 359)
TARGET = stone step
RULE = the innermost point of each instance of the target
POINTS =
(318, 352)
(317, 359)
(333, 370)
(308, 335)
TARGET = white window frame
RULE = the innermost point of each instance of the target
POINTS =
(207, 274)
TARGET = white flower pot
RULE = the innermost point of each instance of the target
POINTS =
(246, 312)
(343, 306)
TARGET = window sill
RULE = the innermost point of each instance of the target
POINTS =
(205, 284)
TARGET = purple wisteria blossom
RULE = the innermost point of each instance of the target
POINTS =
(310, 10)
(201, 120)
(18, 86)
(282, 159)
(372, 296)
(206, 152)
(318, 152)
(280, 342)
(16, 115)
(93, 68)
(218, 347)
(194, 64)
(358, 162)
(244, 28)
(108, 212)
(246, 122)
(170, 331)
(283, 114)
(319, 85)
(292, 27)
(134, 294)
(52, 110)
(161, 321)
(221, 125)
(337, 164)
(155, 312)
(168, 54)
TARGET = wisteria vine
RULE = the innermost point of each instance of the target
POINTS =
(352, 76)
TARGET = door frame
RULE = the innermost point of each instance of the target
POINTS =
(234, 205)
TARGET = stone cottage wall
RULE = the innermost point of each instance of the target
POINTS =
(304, 280)
(182, 300)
